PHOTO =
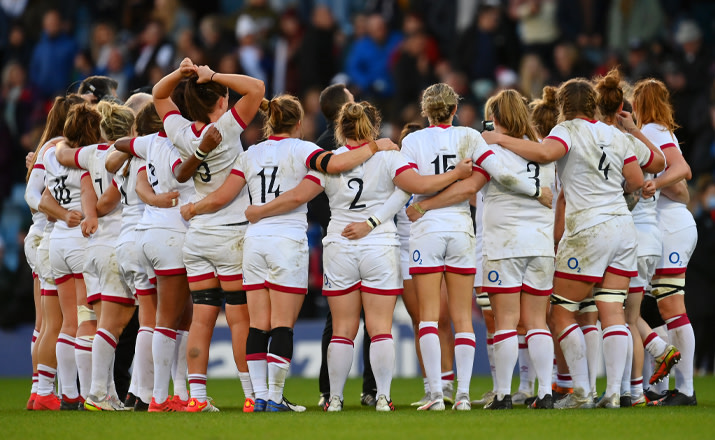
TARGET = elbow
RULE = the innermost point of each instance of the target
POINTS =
(688, 173)
(260, 87)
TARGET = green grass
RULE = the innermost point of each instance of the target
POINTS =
(356, 422)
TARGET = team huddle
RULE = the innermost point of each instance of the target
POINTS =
(561, 214)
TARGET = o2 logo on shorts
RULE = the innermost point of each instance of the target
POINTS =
(417, 257)
(572, 263)
(326, 282)
(674, 258)
(493, 277)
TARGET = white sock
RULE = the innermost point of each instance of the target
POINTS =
(197, 383)
(431, 356)
(526, 371)
(464, 346)
(637, 386)
(33, 390)
(163, 348)
(573, 346)
(340, 359)
(382, 361)
(143, 364)
(35, 335)
(66, 366)
(615, 348)
(245, 379)
(103, 348)
(257, 366)
(541, 351)
(447, 378)
(45, 379)
(593, 353)
(680, 333)
(277, 372)
(425, 382)
(654, 344)
(83, 358)
(626, 379)
(490, 357)
(506, 353)
(179, 369)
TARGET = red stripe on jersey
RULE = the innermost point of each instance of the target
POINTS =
(141, 169)
(146, 292)
(277, 138)
(313, 179)
(614, 333)
(34, 275)
(341, 340)
(117, 299)
(131, 147)
(419, 270)
(484, 156)
(461, 270)
(414, 165)
(621, 272)
(577, 277)
(382, 337)
(173, 112)
(494, 289)
(310, 157)
(537, 333)
(537, 292)
(162, 134)
(84, 175)
(592, 121)
(668, 145)
(483, 171)
(256, 356)
(556, 138)
(671, 270)
(387, 292)
(196, 131)
(568, 330)
(465, 341)
(169, 333)
(503, 336)
(636, 290)
(681, 321)
(238, 173)
(650, 160)
(428, 331)
(62, 279)
(169, 272)
(329, 292)
(237, 277)
(287, 289)
(629, 160)
(202, 277)
(178, 161)
(402, 169)
(38, 166)
(76, 158)
(238, 118)
(440, 126)
(107, 338)
(103, 147)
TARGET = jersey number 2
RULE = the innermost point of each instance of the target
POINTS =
(354, 204)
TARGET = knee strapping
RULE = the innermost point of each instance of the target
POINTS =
(236, 297)
(610, 295)
(257, 341)
(210, 297)
(84, 314)
(571, 306)
(587, 306)
(483, 301)
(282, 342)
(665, 287)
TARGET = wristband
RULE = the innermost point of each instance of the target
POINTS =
(418, 208)
(200, 155)
(373, 222)
(212, 76)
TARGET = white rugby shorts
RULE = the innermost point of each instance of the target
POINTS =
(443, 252)
(370, 268)
(214, 252)
(678, 247)
(533, 275)
(276, 263)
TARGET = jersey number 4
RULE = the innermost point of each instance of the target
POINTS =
(601, 163)
(271, 189)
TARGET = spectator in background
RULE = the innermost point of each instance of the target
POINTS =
(263, 18)
(568, 63)
(537, 27)
(319, 49)
(583, 21)
(102, 43)
(18, 48)
(173, 17)
(286, 57)
(533, 76)
(53, 57)
(630, 20)
(251, 55)
(638, 62)
(696, 62)
(153, 50)
(212, 41)
(17, 104)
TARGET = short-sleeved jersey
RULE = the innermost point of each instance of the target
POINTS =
(133, 207)
(436, 150)
(65, 186)
(516, 225)
(161, 159)
(355, 194)
(92, 158)
(214, 170)
(592, 171)
(672, 216)
(271, 168)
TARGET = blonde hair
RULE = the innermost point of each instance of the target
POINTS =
(438, 102)
(509, 109)
(358, 121)
(610, 93)
(576, 97)
(282, 114)
(544, 112)
(651, 103)
(117, 120)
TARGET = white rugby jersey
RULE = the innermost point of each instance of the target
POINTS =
(516, 225)
(92, 158)
(354, 196)
(402, 223)
(592, 171)
(214, 170)
(35, 187)
(161, 159)
(65, 186)
(271, 168)
(133, 207)
(672, 216)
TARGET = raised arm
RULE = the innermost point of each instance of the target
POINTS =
(163, 89)
(304, 192)
(547, 151)
(65, 154)
(413, 183)
(216, 200)
(251, 90)
(625, 121)
(187, 168)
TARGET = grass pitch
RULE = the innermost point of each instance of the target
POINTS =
(356, 422)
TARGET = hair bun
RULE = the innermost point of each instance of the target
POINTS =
(354, 110)
(549, 96)
(265, 105)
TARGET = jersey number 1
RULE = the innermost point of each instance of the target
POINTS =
(276, 191)
(445, 163)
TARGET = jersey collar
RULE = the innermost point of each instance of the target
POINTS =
(355, 147)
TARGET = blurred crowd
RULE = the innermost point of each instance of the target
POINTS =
(387, 51)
